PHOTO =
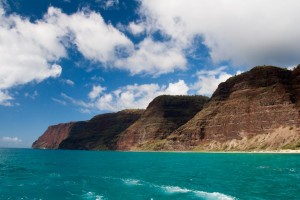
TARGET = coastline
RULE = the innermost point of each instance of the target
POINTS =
(282, 151)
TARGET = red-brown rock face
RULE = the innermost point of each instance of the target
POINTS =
(256, 110)
(260, 101)
(98, 133)
(101, 132)
(163, 115)
(53, 136)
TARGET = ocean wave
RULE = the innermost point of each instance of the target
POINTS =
(201, 194)
(176, 189)
(132, 182)
(213, 195)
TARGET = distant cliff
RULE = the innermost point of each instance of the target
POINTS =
(99, 133)
(256, 110)
(53, 136)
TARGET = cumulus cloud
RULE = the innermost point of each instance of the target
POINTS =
(178, 88)
(244, 32)
(138, 96)
(28, 48)
(136, 28)
(33, 48)
(96, 91)
(208, 80)
(11, 139)
(153, 57)
(130, 96)
(95, 39)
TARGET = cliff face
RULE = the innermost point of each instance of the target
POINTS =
(258, 109)
(53, 136)
(163, 115)
(99, 133)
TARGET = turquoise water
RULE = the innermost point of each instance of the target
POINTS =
(55, 174)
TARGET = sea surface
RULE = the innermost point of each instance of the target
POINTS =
(60, 174)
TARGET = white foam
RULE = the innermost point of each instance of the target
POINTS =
(132, 182)
(92, 195)
(175, 189)
(213, 195)
(201, 194)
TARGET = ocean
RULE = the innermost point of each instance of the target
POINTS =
(100, 175)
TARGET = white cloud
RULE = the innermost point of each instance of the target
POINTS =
(28, 48)
(11, 139)
(138, 96)
(5, 99)
(153, 58)
(136, 28)
(178, 88)
(32, 48)
(130, 96)
(68, 82)
(95, 39)
(244, 32)
(96, 91)
(111, 3)
(208, 80)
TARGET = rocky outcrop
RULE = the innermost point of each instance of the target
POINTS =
(163, 115)
(248, 107)
(99, 133)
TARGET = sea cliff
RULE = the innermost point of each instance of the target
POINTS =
(256, 110)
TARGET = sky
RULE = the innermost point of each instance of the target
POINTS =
(68, 60)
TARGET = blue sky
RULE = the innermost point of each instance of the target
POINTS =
(69, 60)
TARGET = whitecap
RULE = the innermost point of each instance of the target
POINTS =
(92, 195)
(132, 182)
(200, 194)
(213, 195)
(175, 189)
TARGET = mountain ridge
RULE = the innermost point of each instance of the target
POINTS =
(256, 110)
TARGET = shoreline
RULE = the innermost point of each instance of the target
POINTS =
(283, 151)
